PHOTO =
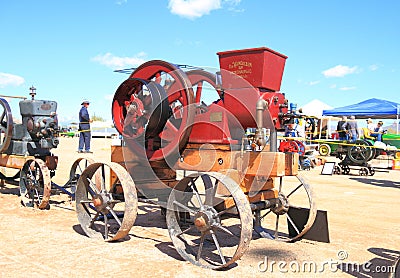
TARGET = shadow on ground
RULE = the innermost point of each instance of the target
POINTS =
(382, 266)
(377, 182)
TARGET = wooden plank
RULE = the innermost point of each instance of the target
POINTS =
(13, 161)
(271, 164)
(291, 164)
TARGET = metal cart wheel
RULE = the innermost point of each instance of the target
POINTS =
(359, 152)
(76, 171)
(6, 125)
(363, 171)
(346, 169)
(337, 170)
(35, 184)
(105, 210)
(371, 171)
(295, 197)
(209, 220)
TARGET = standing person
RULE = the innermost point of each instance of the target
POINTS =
(353, 128)
(84, 128)
(342, 128)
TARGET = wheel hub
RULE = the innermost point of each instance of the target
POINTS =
(282, 205)
(205, 219)
(102, 200)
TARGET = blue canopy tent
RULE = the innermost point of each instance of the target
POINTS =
(371, 108)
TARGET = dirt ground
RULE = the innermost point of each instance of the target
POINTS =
(364, 229)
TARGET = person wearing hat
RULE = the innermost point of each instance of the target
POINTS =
(84, 128)
(370, 125)
(378, 131)
(353, 128)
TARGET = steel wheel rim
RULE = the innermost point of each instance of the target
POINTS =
(35, 184)
(307, 198)
(204, 243)
(6, 125)
(99, 211)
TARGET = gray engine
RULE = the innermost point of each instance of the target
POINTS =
(38, 132)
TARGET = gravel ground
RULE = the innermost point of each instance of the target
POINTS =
(363, 216)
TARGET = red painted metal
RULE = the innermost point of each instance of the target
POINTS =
(261, 67)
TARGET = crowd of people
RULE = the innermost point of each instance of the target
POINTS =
(348, 129)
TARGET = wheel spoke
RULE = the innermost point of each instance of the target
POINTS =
(200, 246)
(92, 187)
(294, 190)
(226, 230)
(196, 192)
(223, 211)
(218, 246)
(114, 215)
(103, 176)
(184, 207)
(293, 224)
(185, 231)
(265, 214)
(86, 209)
(105, 226)
(94, 218)
(276, 226)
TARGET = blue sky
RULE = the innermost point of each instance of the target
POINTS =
(339, 52)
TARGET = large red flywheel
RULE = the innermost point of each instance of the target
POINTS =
(151, 114)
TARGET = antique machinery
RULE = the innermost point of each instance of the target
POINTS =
(355, 155)
(213, 167)
(26, 147)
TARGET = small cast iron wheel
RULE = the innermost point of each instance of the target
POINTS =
(166, 128)
(294, 196)
(6, 125)
(106, 210)
(337, 170)
(363, 171)
(209, 220)
(35, 184)
(371, 171)
(346, 169)
(359, 152)
(324, 149)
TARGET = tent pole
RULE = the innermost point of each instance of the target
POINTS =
(397, 118)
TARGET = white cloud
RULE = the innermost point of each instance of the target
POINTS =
(333, 86)
(7, 79)
(312, 83)
(121, 2)
(347, 88)
(193, 9)
(116, 62)
(339, 71)
(373, 67)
